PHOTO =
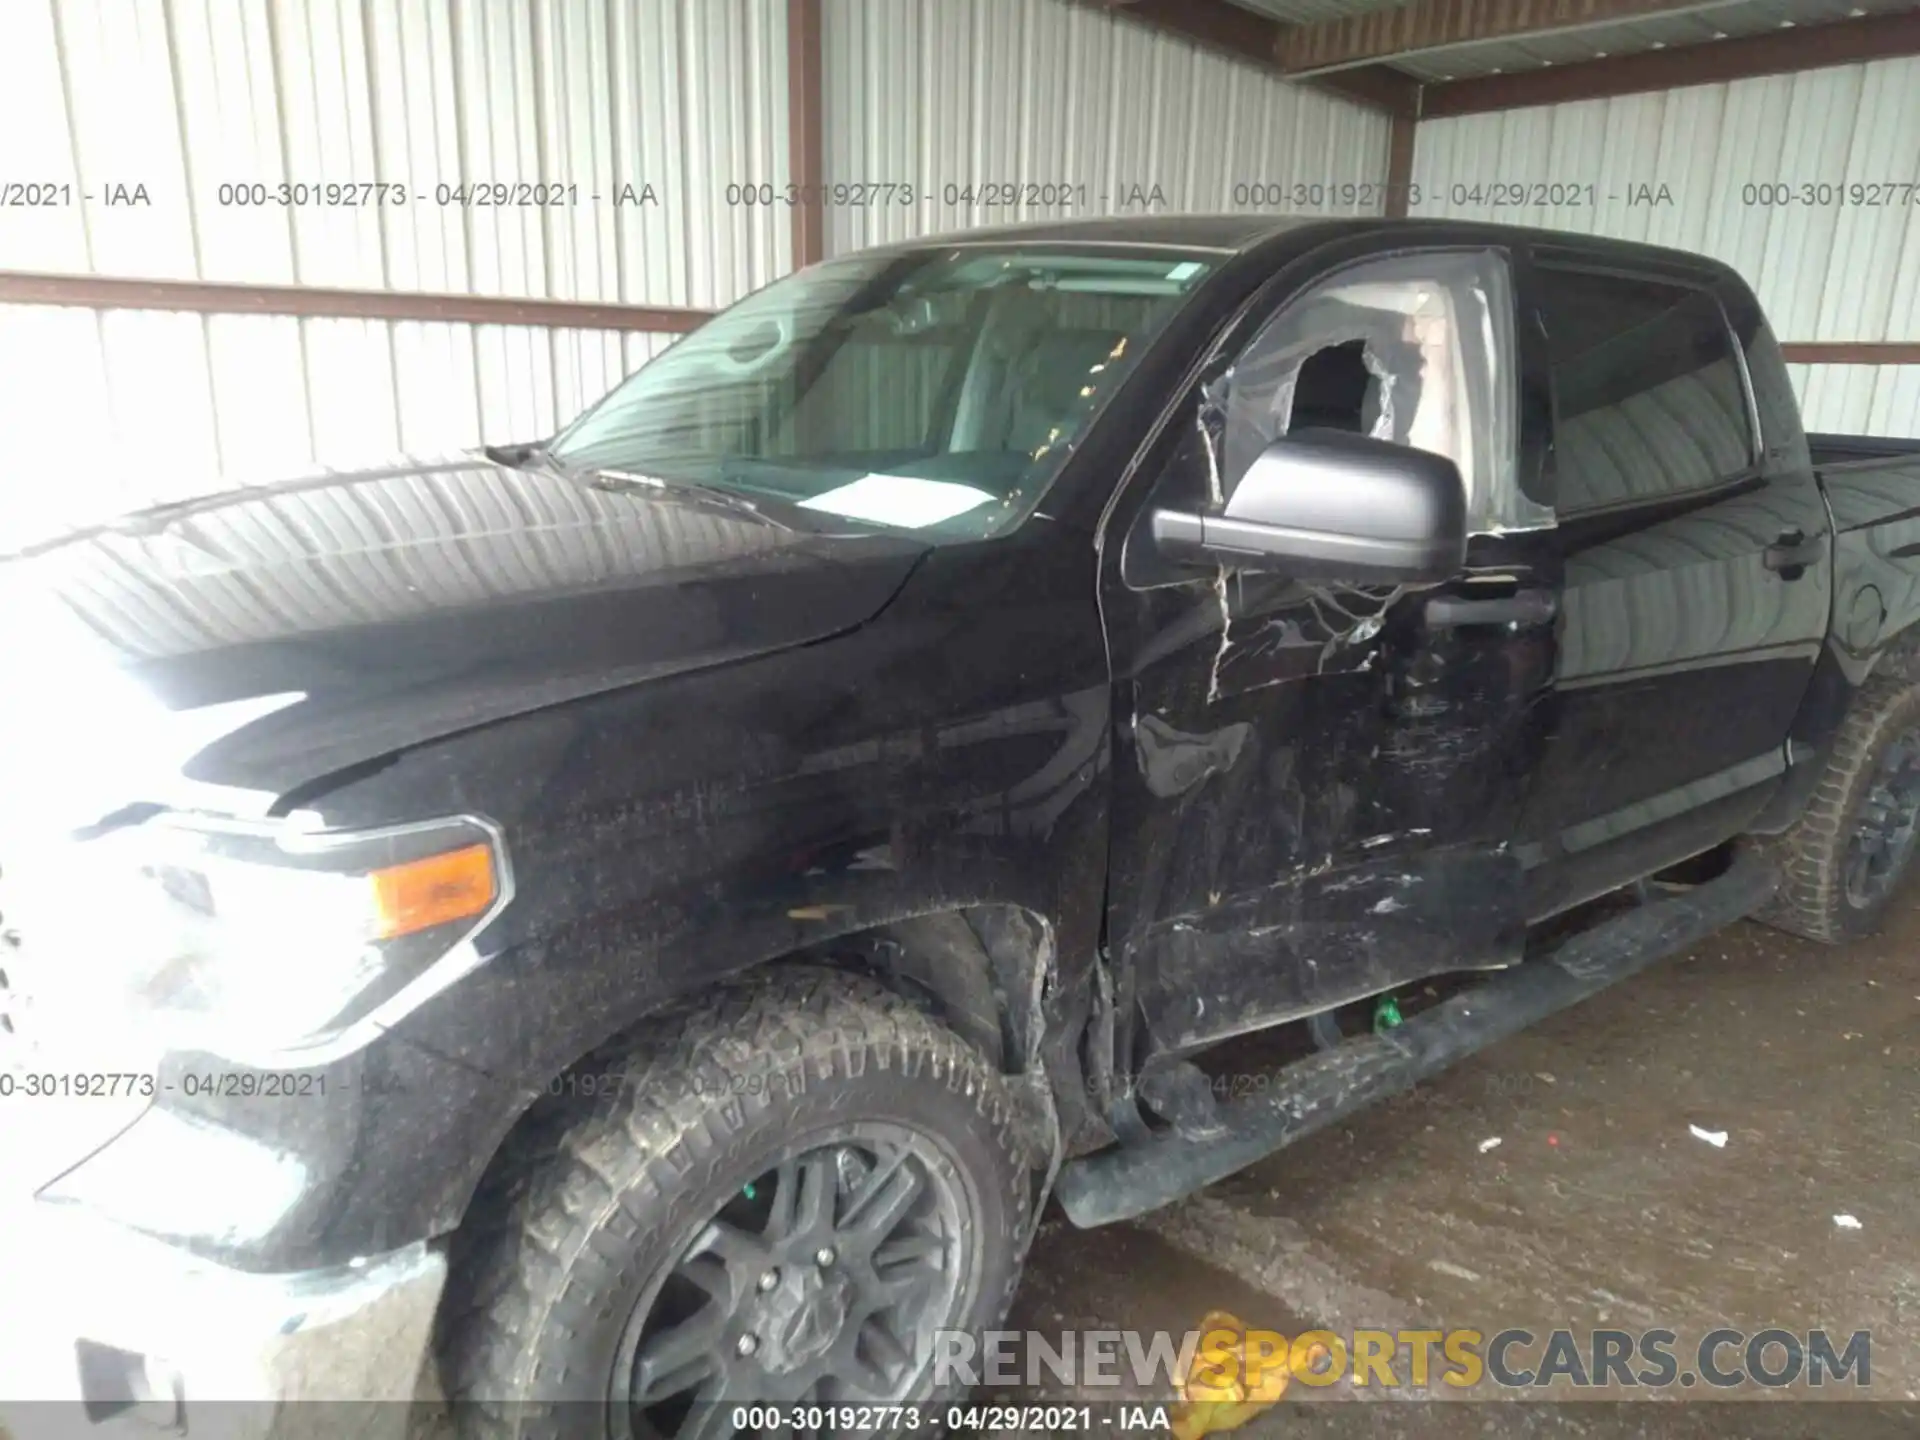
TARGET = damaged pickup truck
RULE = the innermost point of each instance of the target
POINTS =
(648, 918)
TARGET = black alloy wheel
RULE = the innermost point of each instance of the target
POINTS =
(760, 1216)
(1885, 825)
(823, 1281)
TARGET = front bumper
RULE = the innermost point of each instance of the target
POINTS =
(106, 1331)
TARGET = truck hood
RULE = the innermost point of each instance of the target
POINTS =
(226, 652)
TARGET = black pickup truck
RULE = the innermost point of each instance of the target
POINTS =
(649, 917)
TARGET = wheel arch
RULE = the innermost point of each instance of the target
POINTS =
(982, 970)
(621, 1184)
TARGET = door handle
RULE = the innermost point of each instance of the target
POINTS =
(1523, 607)
(1794, 551)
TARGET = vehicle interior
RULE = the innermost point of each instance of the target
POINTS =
(945, 404)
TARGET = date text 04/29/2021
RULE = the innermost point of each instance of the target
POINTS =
(985, 1418)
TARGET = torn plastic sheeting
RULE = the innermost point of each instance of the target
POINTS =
(1437, 342)
(1342, 617)
(1232, 436)
(1359, 628)
(1173, 761)
(1266, 386)
(1226, 634)
(1211, 419)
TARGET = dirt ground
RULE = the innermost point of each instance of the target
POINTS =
(1598, 1207)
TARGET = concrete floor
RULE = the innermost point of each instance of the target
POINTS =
(1597, 1209)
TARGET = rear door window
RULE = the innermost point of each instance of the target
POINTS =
(1650, 402)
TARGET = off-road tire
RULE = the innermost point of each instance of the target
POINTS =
(596, 1197)
(1812, 900)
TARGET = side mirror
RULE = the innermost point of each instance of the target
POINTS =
(1329, 505)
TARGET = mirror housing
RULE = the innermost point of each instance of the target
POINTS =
(1330, 505)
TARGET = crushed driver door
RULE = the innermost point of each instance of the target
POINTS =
(1316, 784)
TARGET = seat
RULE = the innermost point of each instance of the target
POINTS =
(1046, 403)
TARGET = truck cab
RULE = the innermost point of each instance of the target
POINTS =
(1412, 772)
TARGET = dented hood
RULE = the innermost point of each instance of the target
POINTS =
(226, 652)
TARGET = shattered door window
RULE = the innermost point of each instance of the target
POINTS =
(1416, 349)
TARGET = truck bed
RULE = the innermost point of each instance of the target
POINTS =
(1870, 482)
(1872, 486)
(1837, 449)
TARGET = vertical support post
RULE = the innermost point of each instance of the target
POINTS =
(1400, 165)
(806, 145)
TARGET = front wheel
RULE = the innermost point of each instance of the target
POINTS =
(779, 1199)
(1844, 859)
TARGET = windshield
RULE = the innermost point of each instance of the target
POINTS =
(936, 391)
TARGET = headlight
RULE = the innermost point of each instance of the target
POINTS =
(253, 940)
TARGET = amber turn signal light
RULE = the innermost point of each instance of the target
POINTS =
(423, 893)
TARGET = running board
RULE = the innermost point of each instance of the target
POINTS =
(1129, 1180)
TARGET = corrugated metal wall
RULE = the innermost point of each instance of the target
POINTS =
(152, 112)
(188, 96)
(1861, 399)
(1830, 263)
(103, 411)
(943, 95)
(187, 99)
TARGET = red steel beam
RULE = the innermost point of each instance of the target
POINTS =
(205, 297)
(806, 145)
(1852, 352)
(1400, 166)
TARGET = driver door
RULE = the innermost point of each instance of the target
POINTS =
(1316, 784)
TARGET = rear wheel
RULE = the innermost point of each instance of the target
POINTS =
(780, 1200)
(1844, 859)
